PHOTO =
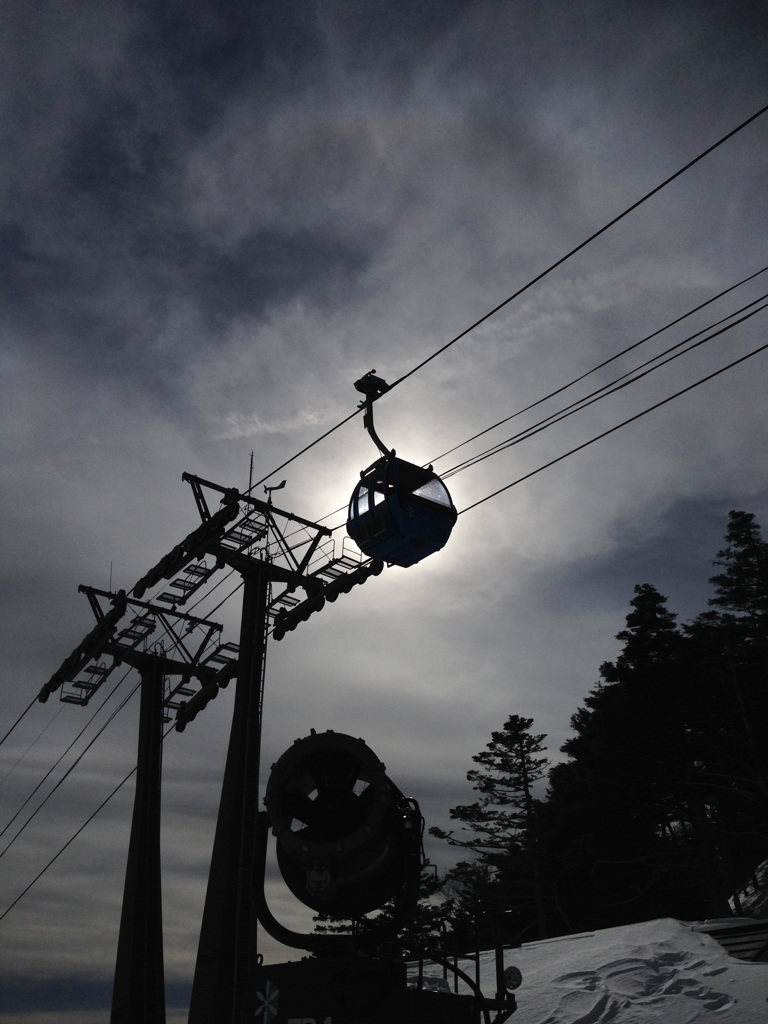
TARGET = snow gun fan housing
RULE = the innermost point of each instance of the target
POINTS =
(348, 840)
(400, 512)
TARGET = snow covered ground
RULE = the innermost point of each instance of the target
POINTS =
(658, 972)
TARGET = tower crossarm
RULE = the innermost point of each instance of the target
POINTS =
(87, 668)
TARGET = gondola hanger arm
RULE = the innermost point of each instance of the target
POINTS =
(372, 387)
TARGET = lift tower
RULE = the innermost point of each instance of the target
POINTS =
(186, 650)
(224, 986)
(172, 649)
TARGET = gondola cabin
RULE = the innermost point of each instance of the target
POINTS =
(400, 512)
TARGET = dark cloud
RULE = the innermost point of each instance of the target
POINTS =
(214, 218)
(100, 216)
(674, 551)
(212, 51)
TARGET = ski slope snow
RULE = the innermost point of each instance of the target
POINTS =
(658, 972)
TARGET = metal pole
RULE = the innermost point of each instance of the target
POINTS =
(223, 991)
(139, 987)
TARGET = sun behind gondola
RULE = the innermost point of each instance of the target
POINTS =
(399, 512)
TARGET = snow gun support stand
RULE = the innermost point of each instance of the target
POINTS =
(507, 979)
(348, 842)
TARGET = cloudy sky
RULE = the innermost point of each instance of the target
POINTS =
(216, 217)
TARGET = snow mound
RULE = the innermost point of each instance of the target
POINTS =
(658, 972)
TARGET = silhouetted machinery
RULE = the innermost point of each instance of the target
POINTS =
(399, 512)
(347, 838)
(348, 842)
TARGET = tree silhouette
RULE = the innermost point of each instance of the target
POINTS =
(661, 806)
(614, 818)
(501, 826)
(741, 589)
(425, 930)
(727, 722)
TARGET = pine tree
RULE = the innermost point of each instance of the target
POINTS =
(501, 825)
(662, 807)
(424, 930)
(729, 719)
(618, 810)
(651, 637)
(741, 589)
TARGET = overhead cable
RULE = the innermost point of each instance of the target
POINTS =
(71, 768)
(606, 362)
(529, 284)
(65, 752)
(638, 373)
(34, 743)
(582, 245)
(303, 450)
(24, 712)
(603, 391)
(68, 843)
(618, 426)
(73, 837)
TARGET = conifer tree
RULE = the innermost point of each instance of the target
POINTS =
(424, 930)
(616, 811)
(500, 827)
(741, 588)
(662, 807)
(729, 718)
(650, 638)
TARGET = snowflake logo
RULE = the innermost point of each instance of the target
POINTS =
(267, 1003)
